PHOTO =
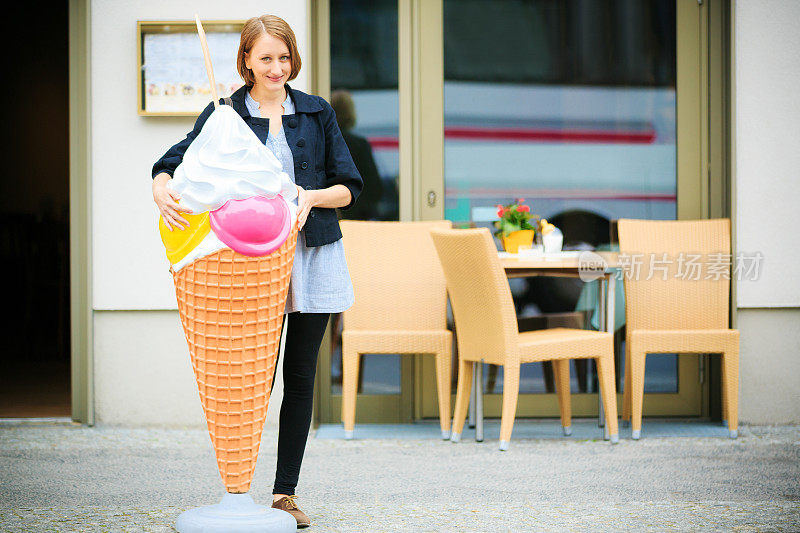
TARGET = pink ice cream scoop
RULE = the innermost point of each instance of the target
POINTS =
(254, 226)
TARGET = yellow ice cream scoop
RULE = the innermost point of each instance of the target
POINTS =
(180, 242)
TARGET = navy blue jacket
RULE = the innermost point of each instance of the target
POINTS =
(321, 157)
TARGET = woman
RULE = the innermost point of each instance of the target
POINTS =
(301, 131)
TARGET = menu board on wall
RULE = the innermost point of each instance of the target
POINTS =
(172, 73)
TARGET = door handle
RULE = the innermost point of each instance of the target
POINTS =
(431, 198)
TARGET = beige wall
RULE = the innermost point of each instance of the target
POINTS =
(142, 372)
(767, 185)
(769, 365)
(767, 76)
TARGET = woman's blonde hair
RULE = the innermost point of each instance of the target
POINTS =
(255, 28)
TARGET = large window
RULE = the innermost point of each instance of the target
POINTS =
(572, 106)
(364, 87)
(571, 42)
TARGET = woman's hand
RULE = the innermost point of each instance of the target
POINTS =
(305, 201)
(167, 202)
(334, 196)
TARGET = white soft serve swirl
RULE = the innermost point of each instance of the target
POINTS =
(227, 161)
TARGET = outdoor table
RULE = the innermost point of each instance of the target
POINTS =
(561, 264)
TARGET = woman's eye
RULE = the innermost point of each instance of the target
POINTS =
(285, 58)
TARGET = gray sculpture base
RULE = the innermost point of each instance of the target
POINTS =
(236, 513)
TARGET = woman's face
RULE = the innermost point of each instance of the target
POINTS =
(270, 61)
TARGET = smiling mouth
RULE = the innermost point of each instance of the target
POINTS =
(275, 79)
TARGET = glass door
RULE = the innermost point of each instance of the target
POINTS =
(573, 106)
(360, 37)
(591, 111)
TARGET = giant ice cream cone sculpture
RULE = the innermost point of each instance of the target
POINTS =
(231, 269)
(231, 307)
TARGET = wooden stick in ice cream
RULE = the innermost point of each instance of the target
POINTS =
(207, 55)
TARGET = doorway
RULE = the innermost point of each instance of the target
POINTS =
(34, 216)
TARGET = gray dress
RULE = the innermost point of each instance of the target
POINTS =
(320, 280)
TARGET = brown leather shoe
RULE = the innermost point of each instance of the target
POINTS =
(288, 504)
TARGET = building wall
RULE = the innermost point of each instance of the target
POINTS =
(142, 369)
(138, 380)
(767, 191)
(769, 365)
(143, 374)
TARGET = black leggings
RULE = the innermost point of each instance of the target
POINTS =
(303, 338)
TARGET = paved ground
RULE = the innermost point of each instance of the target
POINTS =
(67, 478)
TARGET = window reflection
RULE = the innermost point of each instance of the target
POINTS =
(570, 105)
(364, 96)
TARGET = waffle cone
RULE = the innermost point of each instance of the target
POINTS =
(231, 307)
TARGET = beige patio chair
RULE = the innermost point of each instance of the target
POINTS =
(486, 329)
(400, 304)
(672, 311)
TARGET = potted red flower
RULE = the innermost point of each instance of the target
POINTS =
(514, 227)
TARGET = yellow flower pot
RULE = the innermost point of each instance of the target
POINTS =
(515, 239)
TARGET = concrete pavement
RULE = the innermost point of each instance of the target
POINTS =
(58, 477)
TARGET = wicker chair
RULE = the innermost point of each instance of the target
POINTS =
(670, 313)
(487, 331)
(400, 304)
